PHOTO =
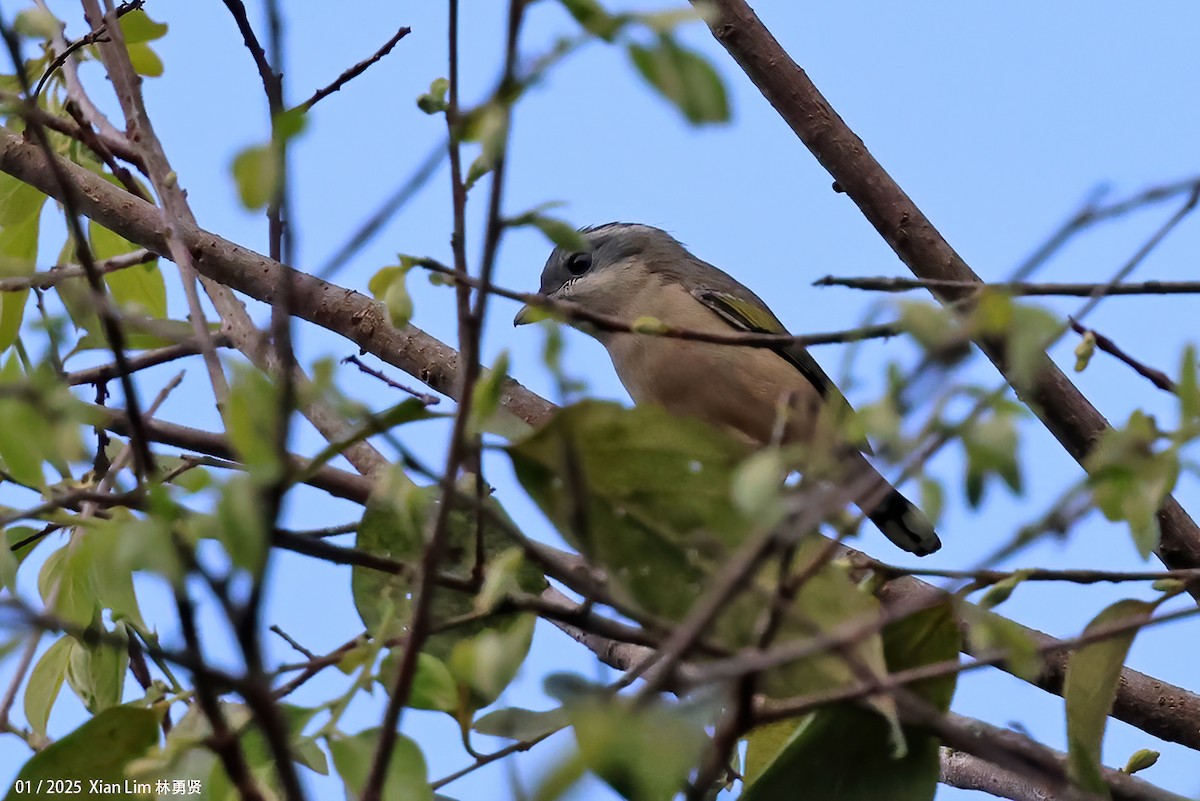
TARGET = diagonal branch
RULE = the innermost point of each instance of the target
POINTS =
(1156, 377)
(356, 70)
(1064, 410)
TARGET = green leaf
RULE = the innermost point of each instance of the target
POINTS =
(8, 562)
(480, 166)
(935, 328)
(1140, 760)
(37, 23)
(684, 77)
(488, 662)
(992, 447)
(25, 534)
(562, 234)
(398, 518)
(136, 27)
(239, 524)
(96, 673)
(145, 61)
(390, 285)
(1129, 479)
(1093, 674)
(19, 201)
(434, 101)
(140, 286)
(503, 576)
(45, 680)
(23, 435)
(593, 18)
(845, 751)
(647, 497)
(1084, 351)
(521, 724)
(112, 577)
(989, 631)
(642, 753)
(126, 733)
(18, 247)
(398, 303)
(256, 172)
(758, 485)
(487, 125)
(290, 123)
(485, 401)
(406, 779)
(933, 499)
(433, 685)
(1187, 389)
(1000, 592)
(12, 312)
(1033, 330)
(67, 573)
(252, 414)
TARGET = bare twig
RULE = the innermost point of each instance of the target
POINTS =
(407, 190)
(888, 284)
(283, 635)
(606, 322)
(1156, 377)
(358, 69)
(57, 274)
(150, 358)
(424, 397)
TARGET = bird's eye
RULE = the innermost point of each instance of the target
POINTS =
(579, 263)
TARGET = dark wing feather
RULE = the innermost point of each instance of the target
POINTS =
(745, 315)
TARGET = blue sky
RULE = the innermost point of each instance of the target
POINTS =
(997, 119)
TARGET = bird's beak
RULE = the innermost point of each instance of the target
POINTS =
(524, 316)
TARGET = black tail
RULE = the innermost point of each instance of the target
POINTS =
(905, 524)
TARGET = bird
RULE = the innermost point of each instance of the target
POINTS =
(635, 272)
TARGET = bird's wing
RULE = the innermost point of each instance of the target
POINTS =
(746, 315)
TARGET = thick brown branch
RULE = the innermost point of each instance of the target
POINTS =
(340, 310)
(1062, 408)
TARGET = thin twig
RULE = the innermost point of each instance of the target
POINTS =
(605, 322)
(64, 272)
(358, 69)
(1156, 377)
(91, 37)
(1017, 288)
(396, 201)
(295, 645)
(150, 358)
(424, 397)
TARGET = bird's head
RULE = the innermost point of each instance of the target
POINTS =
(620, 262)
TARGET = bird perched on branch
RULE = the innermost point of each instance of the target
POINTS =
(770, 394)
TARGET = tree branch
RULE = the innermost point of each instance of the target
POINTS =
(1057, 402)
(358, 69)
(1156, 377)
(1016, 288)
